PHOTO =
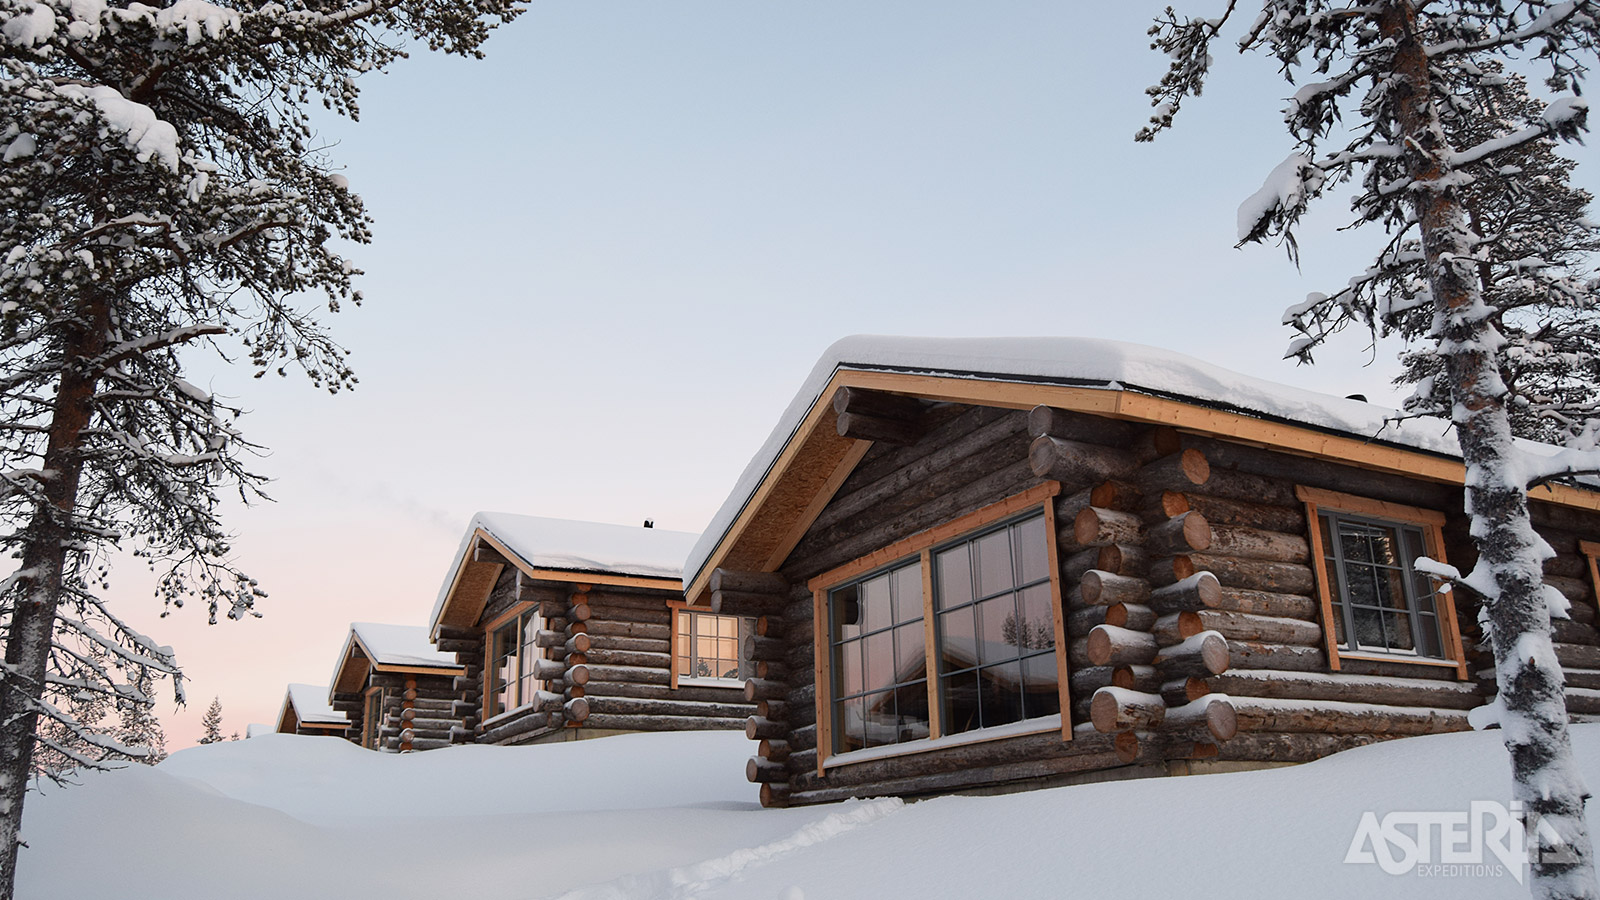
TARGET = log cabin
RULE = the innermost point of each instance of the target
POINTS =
(306, 711)
(396, 691)
(567, 630)
(1004, 563)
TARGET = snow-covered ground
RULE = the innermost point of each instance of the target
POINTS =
(670, 817)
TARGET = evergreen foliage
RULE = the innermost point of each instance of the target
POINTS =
(1487, 273)
(164, 195)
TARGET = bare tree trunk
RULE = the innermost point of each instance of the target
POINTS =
(44, 560)
(1544, 776)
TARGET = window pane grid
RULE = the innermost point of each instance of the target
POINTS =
(1380, 603)
(514, 654)
(708, 646)
(880, 660)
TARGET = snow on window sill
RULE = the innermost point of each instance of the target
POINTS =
(1041, 725)
(701, 681)
(1370, 656)
(507, 716)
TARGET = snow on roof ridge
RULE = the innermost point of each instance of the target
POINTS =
(400, 645)
(574, 545)
(311, 705)
(1086, 362)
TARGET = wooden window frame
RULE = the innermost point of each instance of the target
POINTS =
(515, 612)
(1431, 523)
(369, 722)
(920, 546)
(1591, 554)
(678, 608)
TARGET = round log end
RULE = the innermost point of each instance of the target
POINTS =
(1173, 504)
(750, 694)
(1222, 720)
(1214, 653)
(1196, 531)
(1090, 585)
(580, 612)
(577, 709)
(774, 795)
(1195, 467)
(1086, 527)
(1166, 440)
(1195, 688)
(1109, 559)
(1209, 589)
(1126, 745)
(580, 643)
(1116, 614)
(578, 675)
(1042, 455)
(1203, 751)
(1099, 646)
(1189, 624)
(752, 770)
(751, 728)
(841, 423)
(1103, 711)
(1182, 567)
(411, 694)
(841, 402)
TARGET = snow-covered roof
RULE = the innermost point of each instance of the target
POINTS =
(569, 545)
(256, 728)
(311, 707)
(400, 645)
(1083, 363)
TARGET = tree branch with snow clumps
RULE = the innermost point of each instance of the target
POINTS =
(163, 196)
(1487, 274)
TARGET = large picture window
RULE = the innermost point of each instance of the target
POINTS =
(707, 648)
(996, 632)
(949, 632)
(1376, 604)
(512, 655)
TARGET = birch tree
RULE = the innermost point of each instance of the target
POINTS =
(1487, 271)
(163, 196)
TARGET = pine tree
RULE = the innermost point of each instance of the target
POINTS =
(212, 723)
(1487, 273)
(164, 195)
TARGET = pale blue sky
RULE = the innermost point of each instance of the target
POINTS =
(607, 255)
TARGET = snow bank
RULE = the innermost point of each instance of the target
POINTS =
(669, 817)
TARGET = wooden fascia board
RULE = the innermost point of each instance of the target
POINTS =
(330, 726)
(674, 585)
(453, 596)
(1113, 403)
(698, 589)
(386, 668)
(347, 656)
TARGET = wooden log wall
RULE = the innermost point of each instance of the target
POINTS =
(1193, 620)
(605, 664)
(1576, 637)
(351, 705)
(418, 711)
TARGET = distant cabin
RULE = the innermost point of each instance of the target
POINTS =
(397, 692)
(306, 711)
(989, 564)
(567, 630)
